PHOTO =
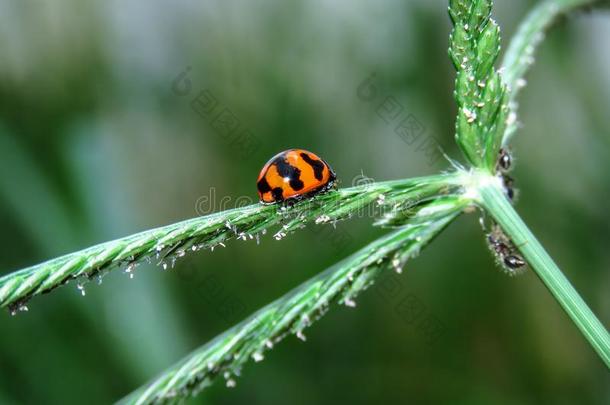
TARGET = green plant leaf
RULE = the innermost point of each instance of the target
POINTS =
(225, 355)
(520, 53)
(164, 245)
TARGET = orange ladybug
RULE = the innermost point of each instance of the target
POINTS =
(294, 174)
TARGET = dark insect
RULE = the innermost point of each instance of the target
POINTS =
(505, 160)
(505, 252)
(514, 262)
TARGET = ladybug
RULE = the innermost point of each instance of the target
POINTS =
(292, 175)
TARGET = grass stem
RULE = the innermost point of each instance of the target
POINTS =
(497, 205)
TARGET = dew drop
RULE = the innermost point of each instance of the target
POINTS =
(349, 302)
(258, 357)
(301, 335)
(322, 219)
(305, 319)
(81, 288)
(231, 383)
(470, 116)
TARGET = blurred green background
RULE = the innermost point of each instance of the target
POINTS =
(95, 145)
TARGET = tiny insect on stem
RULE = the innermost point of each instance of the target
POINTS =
(493, 200)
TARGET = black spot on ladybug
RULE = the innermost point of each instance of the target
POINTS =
(284, 169)
(263, 185)
(317, 166)
(277, 194)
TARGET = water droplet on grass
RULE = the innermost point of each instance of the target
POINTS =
(397, 264)
(322, 219)
(81, 288)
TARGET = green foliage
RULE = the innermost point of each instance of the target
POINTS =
(225, 355)
(481, 96)
(164, 245)
(419, 208)
(494, 201)
(520, 54)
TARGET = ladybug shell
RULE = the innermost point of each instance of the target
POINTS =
(293, 174)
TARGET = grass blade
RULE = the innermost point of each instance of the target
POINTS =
(226, 354)
(520, 53)
(163, 245)
(495, 202)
